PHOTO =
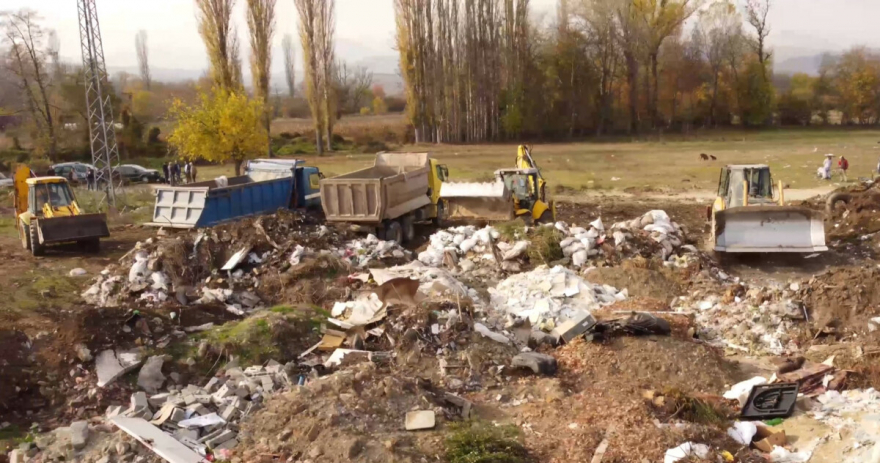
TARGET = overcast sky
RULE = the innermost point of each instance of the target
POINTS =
(365, 28)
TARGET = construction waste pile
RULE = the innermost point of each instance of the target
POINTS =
(405, 346)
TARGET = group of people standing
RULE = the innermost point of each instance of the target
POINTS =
(173, 169)
(824, 172)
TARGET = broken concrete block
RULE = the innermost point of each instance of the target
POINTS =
(539, 363)
(192, 434)
(274, 367)
(221, 437)
(231, 443)
(420, 419)
(268, 384)
(158, 400)
(212, 385)
(111, 365)
(537, 338)
(223, 392)
(139, 401)
(229, 413)
(79, 434)
(573, 327)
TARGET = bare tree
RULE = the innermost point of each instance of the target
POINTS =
(140, 45)
(261, 24)
(289, 64)
(316, 37)
(716, 31)
(352, 87)
(756, 13)
(27, 61)
(218, 34)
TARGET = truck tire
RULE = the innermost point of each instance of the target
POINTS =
(409, 229)
(25, 232)
(37, 248)
(393, 232)
(441, 214)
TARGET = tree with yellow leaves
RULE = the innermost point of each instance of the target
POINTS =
(225, 126)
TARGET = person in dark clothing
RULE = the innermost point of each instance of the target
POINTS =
(50, 172)
(175, 172)
(165, 171)
(90, 179)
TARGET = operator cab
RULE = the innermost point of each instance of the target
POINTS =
(731, 186)
(54, 191)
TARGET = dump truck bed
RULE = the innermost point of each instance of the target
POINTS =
(395, 185)
(265, 188)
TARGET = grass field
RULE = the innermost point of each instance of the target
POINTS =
(672, 165)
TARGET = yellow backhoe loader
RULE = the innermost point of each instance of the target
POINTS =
(515, 193)
(46, 213)
(750, 215)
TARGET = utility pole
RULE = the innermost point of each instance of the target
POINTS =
(105, 153)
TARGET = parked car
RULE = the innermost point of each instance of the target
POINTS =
(134, 173)
(80, 171)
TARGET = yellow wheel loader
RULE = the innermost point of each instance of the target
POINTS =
(750, 215)
(47, 213)
(515, 193)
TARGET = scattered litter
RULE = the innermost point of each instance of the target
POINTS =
(740, 391)
(420, 419)
(482, 329)
(111, 365)
(742, 432)
(686, 450)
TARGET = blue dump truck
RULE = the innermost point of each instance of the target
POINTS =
(266, 186)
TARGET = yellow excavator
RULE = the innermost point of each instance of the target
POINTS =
(46, 212)
(516, 193)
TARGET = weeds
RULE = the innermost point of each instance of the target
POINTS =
(477, 442)
(544, 245)
(696, 410)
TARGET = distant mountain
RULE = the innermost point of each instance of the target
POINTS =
(800, 64)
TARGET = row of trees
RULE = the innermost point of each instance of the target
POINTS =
(480, 70)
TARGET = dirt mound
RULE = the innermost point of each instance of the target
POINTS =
(859, 217)
(662, 284)
(600, 395)
(843, 298)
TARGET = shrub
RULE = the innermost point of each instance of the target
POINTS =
(475, 442)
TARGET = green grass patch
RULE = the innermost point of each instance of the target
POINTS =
(512, 230)
(544, 245)
(478, 442)
(7, 226)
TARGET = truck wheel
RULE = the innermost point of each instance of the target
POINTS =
(409, 230)
(37, 248)
(393, 232)
(145, 179)
(441, 213)
(25, 232)
(91, 245)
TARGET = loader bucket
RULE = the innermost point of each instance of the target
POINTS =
(769, 229)
(73, 228)
(480, 201)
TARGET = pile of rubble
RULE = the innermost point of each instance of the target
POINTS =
(226, 266)
(546, 296)
(755, 320)
(472, 250)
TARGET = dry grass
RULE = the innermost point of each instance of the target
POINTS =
(674, 164)
(389, 128)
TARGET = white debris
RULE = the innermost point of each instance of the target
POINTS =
(361, 252)
(433, 281)
(485, 331)
(297, 255)
(740, 391)
(742, 432)
(781, 455)
(358, 312)
(545, 295)
(77, 272)
(686, 450)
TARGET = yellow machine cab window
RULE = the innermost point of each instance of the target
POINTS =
(56, 194)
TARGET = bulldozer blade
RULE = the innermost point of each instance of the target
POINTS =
(73, 228)
(769, 229)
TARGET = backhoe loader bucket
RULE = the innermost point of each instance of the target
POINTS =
(479, 201)
(769, 229)
(73, 228)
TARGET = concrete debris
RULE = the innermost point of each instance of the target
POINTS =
(111, 365)
(462, 241)
(546, 296)
(150, 378)
(79, 434)
(420, 419)
(434, 282)
(82, 352)
(569, 329)
(763, 321)
(485, 331)
(361, 252)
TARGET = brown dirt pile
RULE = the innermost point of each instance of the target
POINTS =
(843, 298)
(861, 216)
(599, 394)
(662, 284)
